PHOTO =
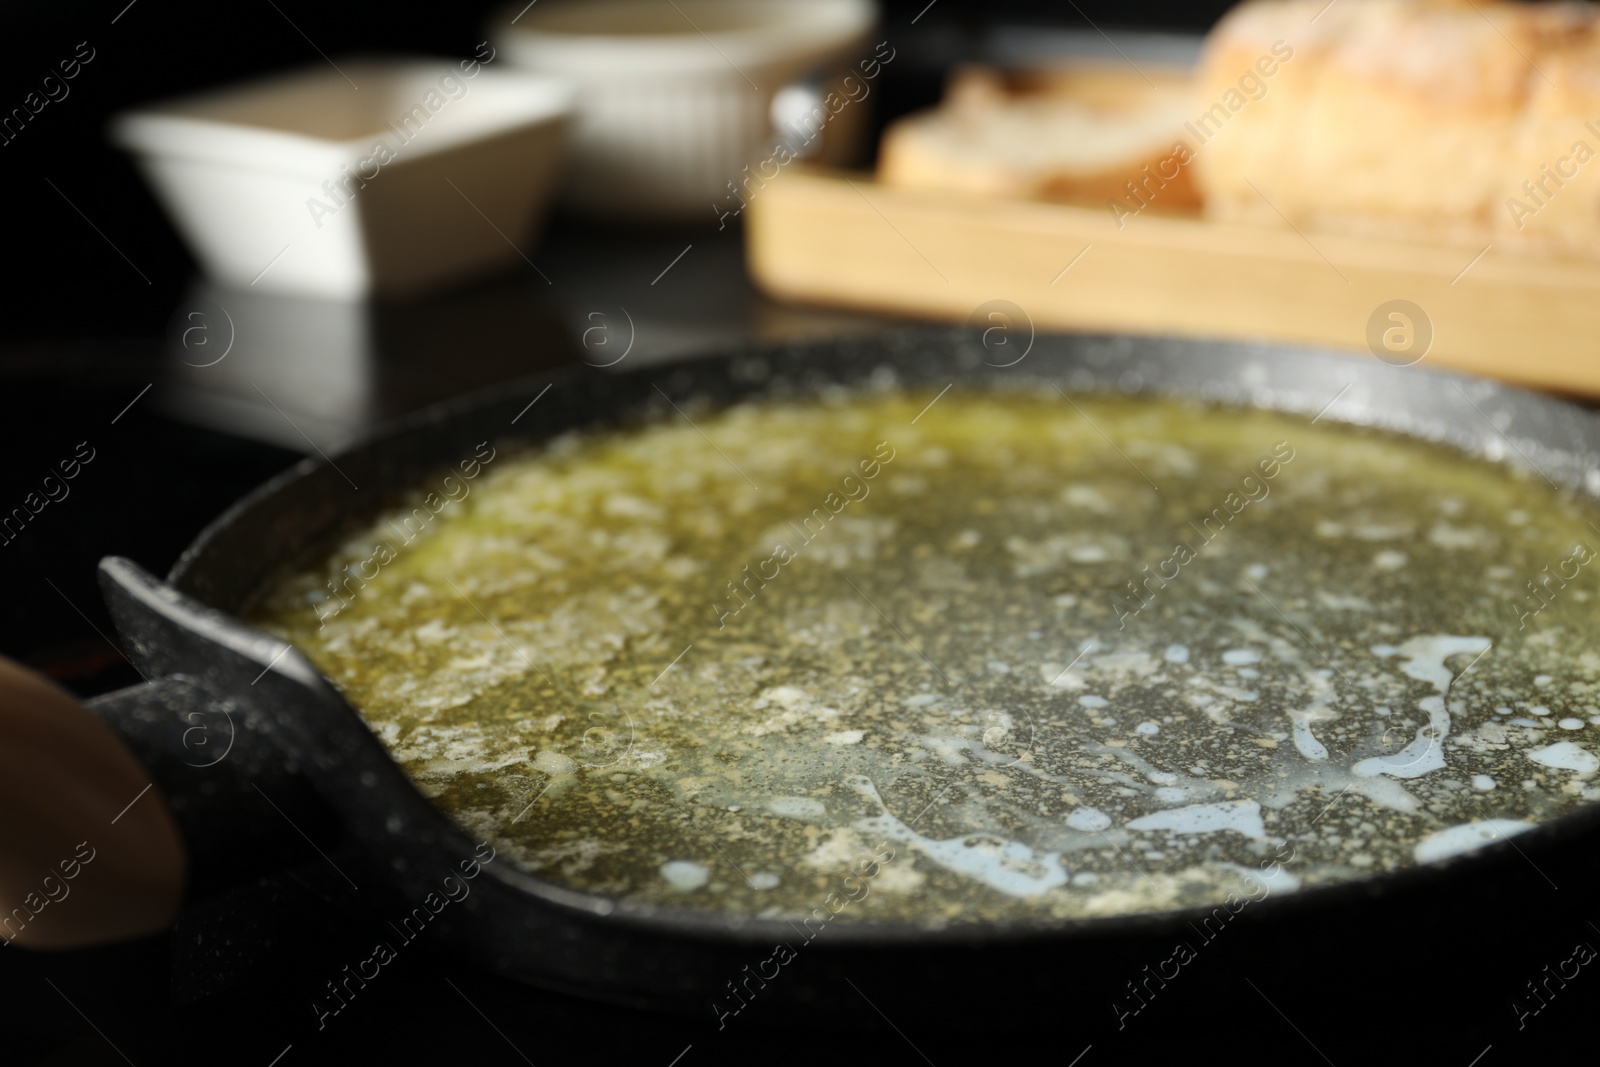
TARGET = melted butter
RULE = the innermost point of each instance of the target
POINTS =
(1063, 662)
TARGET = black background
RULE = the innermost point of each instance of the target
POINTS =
(80, 322)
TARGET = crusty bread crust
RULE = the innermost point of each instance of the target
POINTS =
(1432, 119)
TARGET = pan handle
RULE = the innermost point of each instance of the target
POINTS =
(217, 727)
(240, 807)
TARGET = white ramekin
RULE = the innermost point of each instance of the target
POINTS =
(674, 96)
(256, 177)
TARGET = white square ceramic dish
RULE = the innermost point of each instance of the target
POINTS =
(372, 177)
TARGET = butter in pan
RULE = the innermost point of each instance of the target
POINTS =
(980, 655)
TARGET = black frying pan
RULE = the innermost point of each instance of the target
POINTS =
(275, 729)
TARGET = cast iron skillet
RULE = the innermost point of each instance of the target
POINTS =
(274, 728)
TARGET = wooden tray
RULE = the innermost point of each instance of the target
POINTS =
(832, 238)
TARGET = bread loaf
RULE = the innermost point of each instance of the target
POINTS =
(1433, 120)
(1073, 134)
